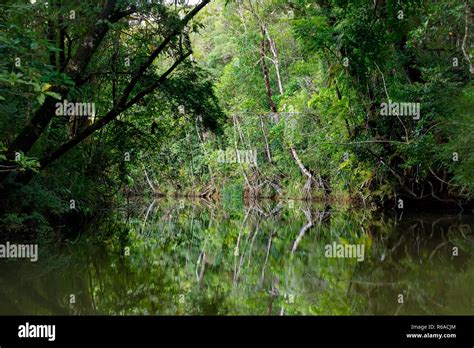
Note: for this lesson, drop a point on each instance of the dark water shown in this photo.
(202, 258)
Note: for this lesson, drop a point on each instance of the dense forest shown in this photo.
(200, 157)
(364, 102)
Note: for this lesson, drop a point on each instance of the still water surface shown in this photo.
(266, 258)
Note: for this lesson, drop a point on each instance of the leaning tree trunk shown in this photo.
(75, 69)
(275, 60)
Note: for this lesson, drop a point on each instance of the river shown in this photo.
(197, 257)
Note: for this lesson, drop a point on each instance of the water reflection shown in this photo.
(200, 257)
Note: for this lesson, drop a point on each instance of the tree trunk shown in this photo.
(111, 115)
(276, 61)
(266, 76)
(75, 69)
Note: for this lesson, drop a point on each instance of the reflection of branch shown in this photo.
(91, 287)
(273, 294)
(272, 233)
(236, 251)
(203, 267)
(401, 304)
(253, 239)
(242, 257)
(146, 215)
(201, 260)
(302, 231)
(437, 248)
(276, 209)
(273, 212)
(398, 244)
(306, 227)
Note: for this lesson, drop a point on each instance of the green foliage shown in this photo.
(204, 260)
(325, 66)
(339, 61)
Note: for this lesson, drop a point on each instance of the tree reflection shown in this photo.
(198, 258)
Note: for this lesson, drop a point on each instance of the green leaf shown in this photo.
(54, 95)
(40, 98)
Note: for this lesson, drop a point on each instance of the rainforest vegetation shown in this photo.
(363, 102)
(199, 156)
